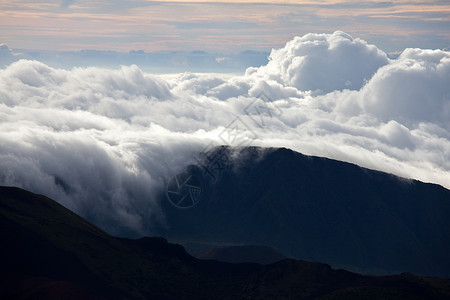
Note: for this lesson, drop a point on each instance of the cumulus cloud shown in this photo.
(324, 62)
(412, 89)
(105, 142)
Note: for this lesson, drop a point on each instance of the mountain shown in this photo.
(316, 209)
(49, 252)
(247, 253)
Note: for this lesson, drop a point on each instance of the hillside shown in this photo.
(49, 251)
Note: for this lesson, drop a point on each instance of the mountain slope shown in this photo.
(50, 252)
(43, 239)
(321, 210)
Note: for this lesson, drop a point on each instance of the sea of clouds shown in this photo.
(104, 142)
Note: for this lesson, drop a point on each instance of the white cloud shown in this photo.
(324, 62)
(222, 59)
(105, 142)
(412, 89)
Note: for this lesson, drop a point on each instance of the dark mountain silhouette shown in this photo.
(247, 253)
(50, 253)
(317, 209)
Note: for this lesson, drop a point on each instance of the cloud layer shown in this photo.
(105, 142)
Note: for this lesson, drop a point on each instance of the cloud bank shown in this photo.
(105, 142)
(159, 62)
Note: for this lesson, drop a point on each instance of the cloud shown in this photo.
(324, 62)
(222, 59)
(412, 89)
(66, 3)
(105, 142)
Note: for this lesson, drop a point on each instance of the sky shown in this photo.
(102, 135)
(217, 26)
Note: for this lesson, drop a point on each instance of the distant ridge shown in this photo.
(50, 253)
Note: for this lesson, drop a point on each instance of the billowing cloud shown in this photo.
(105, 142)
(412, 89)
(324, 62)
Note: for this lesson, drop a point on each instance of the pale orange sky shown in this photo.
(217, 26)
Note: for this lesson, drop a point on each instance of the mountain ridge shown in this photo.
(118, 268)
(318, 209)
(245, 253)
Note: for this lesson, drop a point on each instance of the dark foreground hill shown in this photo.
(317, 209)
(47, 252)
